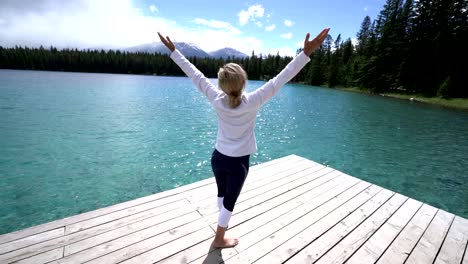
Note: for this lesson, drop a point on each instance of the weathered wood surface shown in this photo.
(291, 210)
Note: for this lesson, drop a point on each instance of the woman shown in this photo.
(236, 111)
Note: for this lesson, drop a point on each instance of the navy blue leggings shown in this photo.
(230, 174)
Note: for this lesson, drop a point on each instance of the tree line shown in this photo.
(411, 47)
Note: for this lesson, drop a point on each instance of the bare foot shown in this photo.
(225, 243)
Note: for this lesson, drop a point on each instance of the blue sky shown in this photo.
(263, 26)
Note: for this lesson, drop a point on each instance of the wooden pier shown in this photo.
(291, 210)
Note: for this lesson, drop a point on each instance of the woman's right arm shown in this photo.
(268, 90)
(201, 82)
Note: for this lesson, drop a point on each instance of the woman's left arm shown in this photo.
(268, 90)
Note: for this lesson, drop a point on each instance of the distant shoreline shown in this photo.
(452, 103)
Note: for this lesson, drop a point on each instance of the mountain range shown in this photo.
(188, 49)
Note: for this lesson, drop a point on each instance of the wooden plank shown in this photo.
(160, 212)
(72, 228)
(209, 191)
(343, 250)
(161, 252)
(278, 174)
(201, 248)
(259, 242)
(171, 239)
(156, 215)
(430, 243)
(45, 257)
(267, 176)
(248, 209)
(123, 231)
(274, 183)
(31, 240)
(68, 239)
(405, 242)
(455, 243)
(320, 202)
(290, 159)
(254, 180)
(316, 178)
(316, 195)
(319, 247)
(5, 238)
(378, 243)
(284, 159)
(297, 178)
(300, 238)
(155, 235)
(153, 230)
(272, 209)
(314, 189)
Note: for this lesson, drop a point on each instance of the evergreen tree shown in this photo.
(363, 37)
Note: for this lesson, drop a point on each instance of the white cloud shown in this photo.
(217, 24)
(270, 28)
(366, 8)
(259, 24)
(111, 24)
(286, 35)
(82, 23)
(153, 9)
(288, 23)
(251, 13)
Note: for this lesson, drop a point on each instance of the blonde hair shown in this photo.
(232, 79)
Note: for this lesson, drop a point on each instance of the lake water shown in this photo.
(74, 142)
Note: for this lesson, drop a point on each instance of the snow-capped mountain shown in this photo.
(188, 49)
(228, 52)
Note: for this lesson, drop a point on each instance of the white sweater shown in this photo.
(236, 135)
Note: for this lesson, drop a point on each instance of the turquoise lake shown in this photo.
(74, 142)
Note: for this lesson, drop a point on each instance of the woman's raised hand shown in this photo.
(311, 46)
(167, 41)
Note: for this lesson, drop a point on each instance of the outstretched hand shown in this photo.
(167, 41)
(311, 46)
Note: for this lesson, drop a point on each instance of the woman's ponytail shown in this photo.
(232, 79)
(234, 100)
